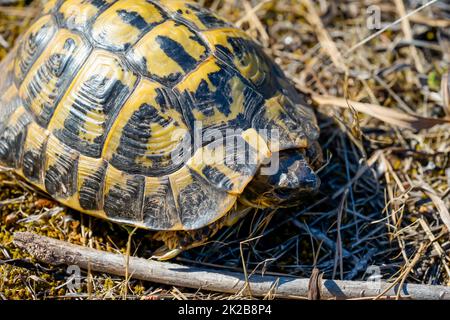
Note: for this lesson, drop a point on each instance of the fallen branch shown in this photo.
(56, 252)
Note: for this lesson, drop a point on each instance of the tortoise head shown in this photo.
(293, 180)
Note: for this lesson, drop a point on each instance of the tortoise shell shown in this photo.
(99, 95)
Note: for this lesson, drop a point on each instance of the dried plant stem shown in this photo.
(439, 203)
(410, 266)
(436, 244)
(381, 31)
(385, 114)
(324, 37)
(409, 35)
(56, 252)
(255, 21)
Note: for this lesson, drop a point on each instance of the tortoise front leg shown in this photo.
(175, 242)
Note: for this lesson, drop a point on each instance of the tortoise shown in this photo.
(100, 99)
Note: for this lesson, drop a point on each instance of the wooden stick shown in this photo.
(56, 252)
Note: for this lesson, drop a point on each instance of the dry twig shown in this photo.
(56, 252)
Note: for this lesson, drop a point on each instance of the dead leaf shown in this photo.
(438, 203)
(391, 116)
(314, 286)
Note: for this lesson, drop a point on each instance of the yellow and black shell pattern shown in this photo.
(98, 94)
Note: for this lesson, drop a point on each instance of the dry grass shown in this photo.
(384, 201)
